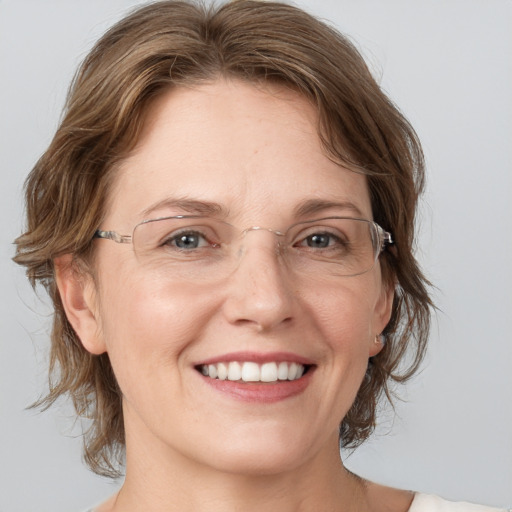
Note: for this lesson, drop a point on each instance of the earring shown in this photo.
(380, 339)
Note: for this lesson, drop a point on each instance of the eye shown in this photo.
(187, 240)
(321, 240)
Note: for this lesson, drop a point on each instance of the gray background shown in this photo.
(448, 65)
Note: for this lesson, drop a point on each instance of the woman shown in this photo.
(224, 221)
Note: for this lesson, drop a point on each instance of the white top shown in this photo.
(430, 503)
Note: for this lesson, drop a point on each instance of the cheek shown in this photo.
(147, 323)
(147, 331)
(344, 314)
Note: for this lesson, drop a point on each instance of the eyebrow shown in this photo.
(312, 206)
(197, 207)
(188, 205)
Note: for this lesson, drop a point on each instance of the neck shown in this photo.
(160, 480)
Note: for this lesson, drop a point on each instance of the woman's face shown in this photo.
(251, 156)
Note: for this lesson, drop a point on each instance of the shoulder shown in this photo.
(431, 503)
(389, 499)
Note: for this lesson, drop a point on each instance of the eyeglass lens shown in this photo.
(205, 249)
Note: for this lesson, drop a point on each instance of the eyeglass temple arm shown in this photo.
(385, 237)
(112, 235)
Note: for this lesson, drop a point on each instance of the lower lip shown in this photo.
(268, 392)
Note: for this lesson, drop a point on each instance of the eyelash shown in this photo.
(172, 239)
(335, 240)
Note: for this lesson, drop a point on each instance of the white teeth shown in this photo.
(292, 371)
(282, 371)
(253, 372)
(269, 372)
(234, 371)
(212, 371)
(250, 372)
(222, 371)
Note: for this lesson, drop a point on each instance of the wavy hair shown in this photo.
(169, 44)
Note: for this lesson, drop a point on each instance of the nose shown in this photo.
(259, 293)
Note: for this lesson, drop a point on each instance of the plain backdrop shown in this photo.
(448, 65)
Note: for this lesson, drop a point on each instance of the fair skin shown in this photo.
(190, 445)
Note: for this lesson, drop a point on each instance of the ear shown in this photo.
(382, 315)
(78, 295)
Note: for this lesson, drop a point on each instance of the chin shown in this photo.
(260, 464)
(260, 453)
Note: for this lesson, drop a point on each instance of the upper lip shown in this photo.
(257, 357)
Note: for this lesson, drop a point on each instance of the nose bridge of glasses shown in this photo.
(276, 232)
(244, 241)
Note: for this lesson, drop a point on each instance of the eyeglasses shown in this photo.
(197, 248)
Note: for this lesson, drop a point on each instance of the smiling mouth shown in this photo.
(253, 372)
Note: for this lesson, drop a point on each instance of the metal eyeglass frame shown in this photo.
(385, 237)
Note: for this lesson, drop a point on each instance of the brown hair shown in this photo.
(172, 43)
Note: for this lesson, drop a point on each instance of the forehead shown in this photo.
(250, 149)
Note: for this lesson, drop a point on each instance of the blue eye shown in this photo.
(319, 240)
(322, 240)
(187, 240)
